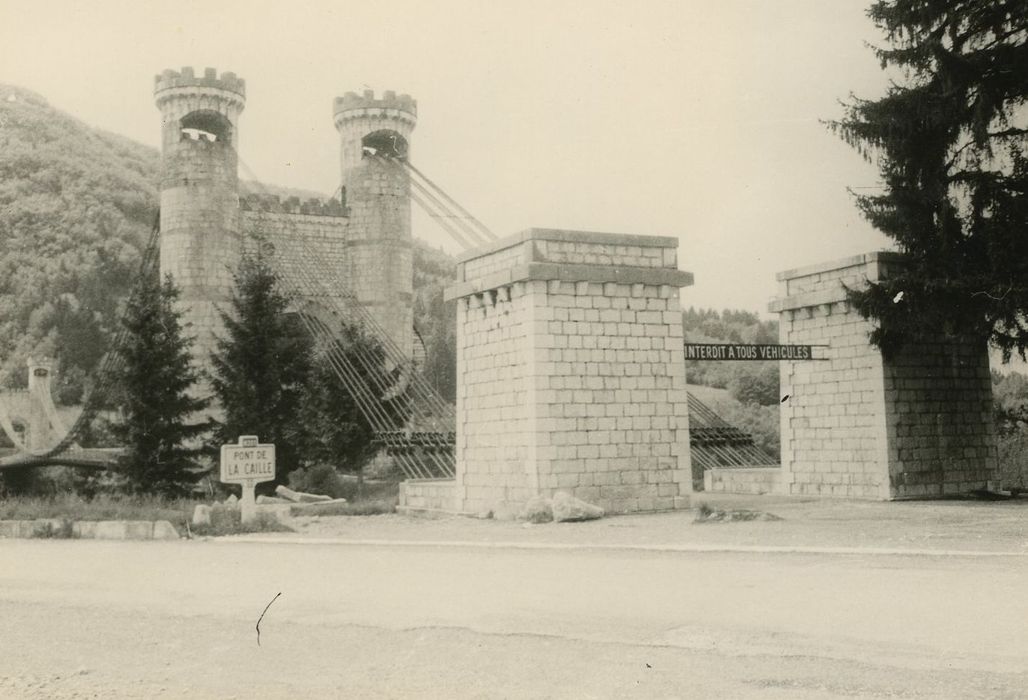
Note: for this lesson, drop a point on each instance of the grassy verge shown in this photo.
(72, 507)
(69, 508)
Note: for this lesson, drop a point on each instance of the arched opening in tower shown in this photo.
(205, 125)
(384, 142)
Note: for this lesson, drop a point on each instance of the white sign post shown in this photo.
(247, 463)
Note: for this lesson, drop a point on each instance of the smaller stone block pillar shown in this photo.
(862, 425)
(571, 372)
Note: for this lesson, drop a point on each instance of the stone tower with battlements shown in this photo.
(374, 133)
(199, 190)
(361, 242)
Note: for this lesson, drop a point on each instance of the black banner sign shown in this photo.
(718, 351)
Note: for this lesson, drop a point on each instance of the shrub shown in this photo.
(321, 479)
(1013, 459)
(759, 386)
(325, 480)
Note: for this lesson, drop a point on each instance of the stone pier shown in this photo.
(861, 425)
(571, 373)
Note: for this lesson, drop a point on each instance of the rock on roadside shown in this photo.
(567, 508)
(538, 510)
(201, 515)
(300, 497)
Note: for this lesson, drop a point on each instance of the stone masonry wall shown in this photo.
(380, 257)
(380, 248)
(851, 416)
(493, 349)
(832, 425)
(571, 374)
(939, 418)
(427, 495)
(199, 196)
(200, 242)
(315, 230)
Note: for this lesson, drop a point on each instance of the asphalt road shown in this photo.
(81, 619)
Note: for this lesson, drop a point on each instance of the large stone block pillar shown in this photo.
(861, 425)
(571, 372)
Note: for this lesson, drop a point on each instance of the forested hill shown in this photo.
(76, 206)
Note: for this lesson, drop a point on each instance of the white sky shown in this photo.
(689, 118)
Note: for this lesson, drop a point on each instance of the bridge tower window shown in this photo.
(205, 125)
(384, 142)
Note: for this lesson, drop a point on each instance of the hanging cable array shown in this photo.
(716, 443)
(409, 418)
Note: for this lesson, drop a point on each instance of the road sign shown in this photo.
(247, 461)
(248, 464)
(731, 351)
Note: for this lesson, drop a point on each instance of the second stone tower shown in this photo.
(375, 140)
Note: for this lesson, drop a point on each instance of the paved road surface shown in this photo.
(123, 620)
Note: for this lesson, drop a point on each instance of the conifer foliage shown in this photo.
(261, 366)
(949, 138)
(341, 435)
(158, 424)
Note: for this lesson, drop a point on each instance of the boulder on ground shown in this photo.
(316, 507)
(567, 508)
(201, 515)
(299, 496)
(268, 500)
(538, 510)
(164, 530)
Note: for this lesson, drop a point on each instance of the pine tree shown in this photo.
(262, 365)
(949, 140)
(342, 435)
(157, 426)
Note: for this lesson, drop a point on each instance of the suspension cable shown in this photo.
(484, 229)
(446, 213)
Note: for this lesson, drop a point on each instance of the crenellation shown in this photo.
(186, 78)
(351, 105)
(204, 221)
(292, 205)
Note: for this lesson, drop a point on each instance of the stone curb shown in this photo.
(659, 548)
(89, 529)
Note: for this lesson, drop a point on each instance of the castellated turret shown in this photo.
(374, 136)
(200, 232)
(361, 242)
